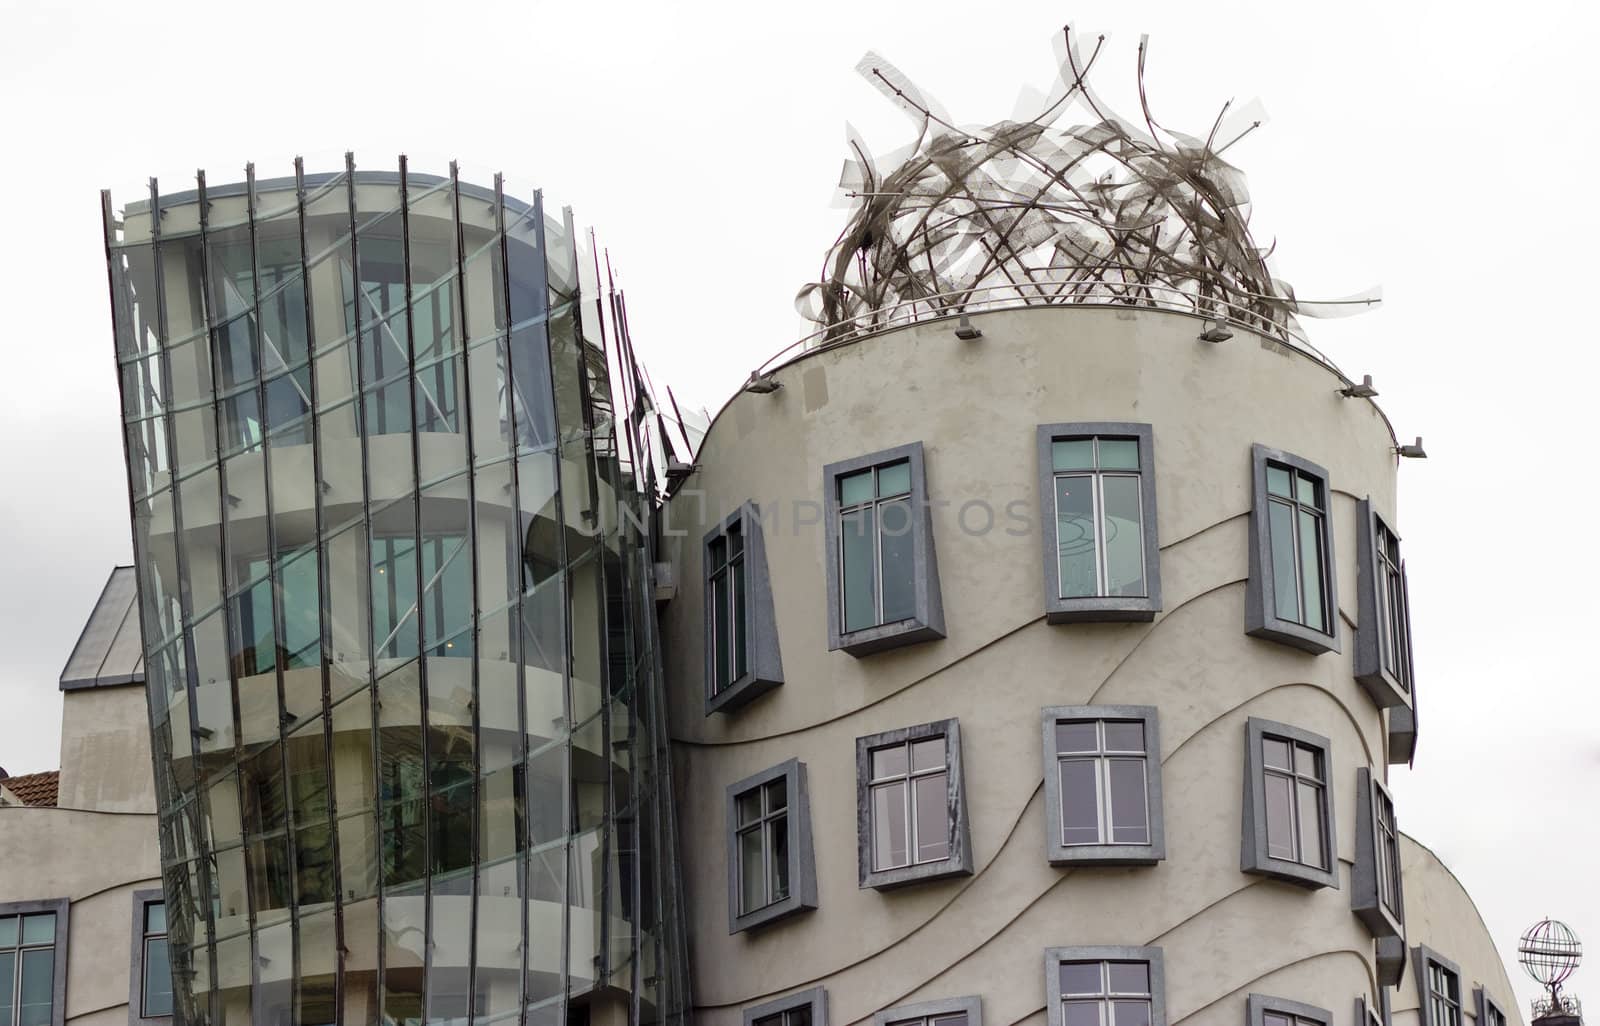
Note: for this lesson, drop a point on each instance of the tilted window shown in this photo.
(1103, 785)
(742, 655)
(804, 1008)
(1489, 1011)
(33, 962)
(1098, 518)
(1438, 987)
(1288, 815)
(771, 872)
(962, 1011)
(883, 583)
(1373, 1013)
(1375, 892)
(1105, 986)
(1291, 596)
(911, 805)
(1383, 638)
(1263, 1010)
(150, 979)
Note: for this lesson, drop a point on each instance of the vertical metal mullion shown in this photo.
(1097, 511)
(910, 810)
(1102, 781)
(324, 614)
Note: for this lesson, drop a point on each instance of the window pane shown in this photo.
(894, 479)
(39, 929)
(718, 553)
(1075, 539)
(1124, 736)
(1275, 753)
(38, 983)
(1280, 817)
(1075, 454)
(1278, 481)
(778, 829)
(1129, 977)
(752, 871)
(1308, 761)
(1311, 852)
(8, 973)
(735, 540)
(929, 754)
(1081, 1013)
(1080, 978)
(889, 762)
(856, 541)
(1119, 454)
(933, 818)
(1130, 1013)
(1285, 590)
(155, 917)
(798, 1016)
(721, 643)
(1274, 1019)
(889, 826)
(157, 978)
(749, 805)
(740, 646)
(899, 561)
(777, 795)
(1080, 814)
(8, 933)
(1124, 536)
(1129, 809)
(855, 488)
(1311, 568)
(1076, 736)
(1306, 490)
(958, 1019)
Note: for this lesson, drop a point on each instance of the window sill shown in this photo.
(739, 694)
(1384, 689)
(776, 912)
(885, 636)
(1305, 876)
(1286, 632)
(1101, 609)
(1106, 854)
(890, 879)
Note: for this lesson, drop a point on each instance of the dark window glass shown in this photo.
(27, 968)
(1297, 526)
(1104, 788)
(157, 983)
(1444, 996)
(1099, 517)
(1296, 802)
(763, 843)
(910, 806)
(1105, 994)
(876, 548)
(725, 568)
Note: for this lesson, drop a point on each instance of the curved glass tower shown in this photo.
(394, 574)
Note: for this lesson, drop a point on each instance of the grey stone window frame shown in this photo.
(1484, 1004)
(763, 658)
(142, 899)
(1388, 686)
(971, 1006)
(927, 624)
(62, 907)
(959, 862)
(1422, 957)
(1061, 854)
(1402, 730)
(1151, 956)
(1102, 608)
(1258, 1006)
(1385, 923)
(814, 1000)
(802, 863)
(1261, 616)
(1253, 857)
(1374, 1014)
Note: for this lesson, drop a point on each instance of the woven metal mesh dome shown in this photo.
(1550, 952)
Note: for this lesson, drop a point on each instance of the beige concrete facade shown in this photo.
(975, 406)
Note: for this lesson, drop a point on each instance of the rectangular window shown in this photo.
(1263, 1010)
(804, 1008)
(1097, 495)
(1376, 895)
(32, 962)
(1288, 819)
(742, 655)
(156, 992)
(1103, 785)
(882, 577)
(1383, 662)
(912, 805)
(1489, 1011)
(1444, 996)
(1105, 986)
(1291, 591)
(965, 1011)
(763, 837)
(725, 564)
(770, 870)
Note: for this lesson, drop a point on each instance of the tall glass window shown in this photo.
(1444, 996)
(156, 993)
(725, 557)
(1105, 993)
(1102, 767)
(1297, 801)
(302, 637)
(909, 800)
(1297, 529)
(27, 969)
(1394, 620)
(1099, 517)
(877, 557)
(763, 842)
(446, 574)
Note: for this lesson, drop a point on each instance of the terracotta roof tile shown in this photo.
(34, 788)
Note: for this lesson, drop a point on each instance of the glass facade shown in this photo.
(394, 556)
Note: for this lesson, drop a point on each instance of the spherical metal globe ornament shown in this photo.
(1549, 951)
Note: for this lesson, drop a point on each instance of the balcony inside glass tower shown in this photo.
(401, 668)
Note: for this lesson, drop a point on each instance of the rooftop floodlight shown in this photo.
(1216, 331)
(1361, 391)
(762, 384)
(965, 331)
(1413, 451)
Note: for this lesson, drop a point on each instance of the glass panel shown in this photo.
(1278, 481)
(1306, 490)
(1080, 811)
(1119, 454)
(928, 754)
(37, 986)
(1308, 761)
(39, 929)
(1311, 568)
(8, 973)
(721, 646)
(1280, 817)
(1129, 807)
(855, 488)
(856, 531)
(1075, 536)
(1129, 977)
(1077, 736)
(1311, 846)
(157, 978)
(1275, 753)
(752, 871)
(933, 818)
(740, 619)
(8, 932)
(889, 839)
(1285, 590)
(899, 561)
(1130, 1013)
(779, 829)
(1124, 528)
(1081, 1013)
(1274, 1019)
(749, 805)
(1074, 454)
(1080, 978)
(895, 479)
(776, 798)
(1123, 736)
(889, 762)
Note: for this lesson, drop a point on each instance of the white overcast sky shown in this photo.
(1443, 150)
